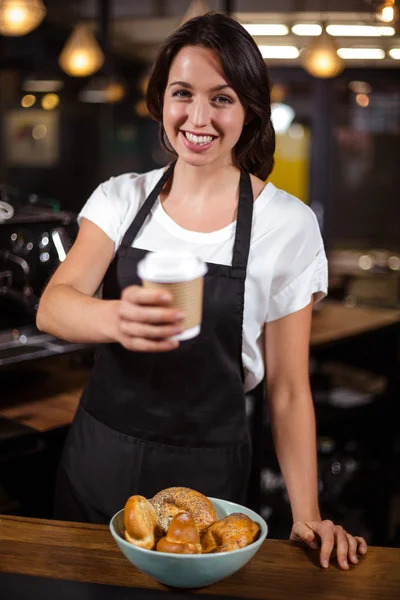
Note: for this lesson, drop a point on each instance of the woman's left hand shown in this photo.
(328, 536)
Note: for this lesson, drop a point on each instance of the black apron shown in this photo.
(148, 421)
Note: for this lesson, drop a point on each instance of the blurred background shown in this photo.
(73, 77)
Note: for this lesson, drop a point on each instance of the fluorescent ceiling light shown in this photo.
(266, 29)
(311, 29)
(360, 53)
(395, 53)
(279, 51)
(359, 31)
(42, 85)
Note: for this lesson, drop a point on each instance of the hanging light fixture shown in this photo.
(197, 8)
(387, 12)
(19, 17)
(81, 55)
(320, 57)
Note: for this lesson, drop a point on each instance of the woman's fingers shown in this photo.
(352, 548)
(135, 294)
(330, 536)
(147, 321)
(143, 345)
(342, 547)
(326, 533)
(302, 533)
(142, 330)
(361, 543)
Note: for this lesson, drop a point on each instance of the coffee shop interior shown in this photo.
(73, 79)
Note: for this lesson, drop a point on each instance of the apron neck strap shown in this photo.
(144, 210)
(243, 225)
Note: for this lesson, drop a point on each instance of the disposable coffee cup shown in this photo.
(181, 274)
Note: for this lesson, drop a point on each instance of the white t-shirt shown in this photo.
(287, 262)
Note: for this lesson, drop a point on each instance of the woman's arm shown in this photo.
(141, 320)
(67, 308)
(291, 409)
(293, 428)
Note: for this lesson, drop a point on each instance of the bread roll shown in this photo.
(182, 536)
(170, 501)
(231, 533)
(141, 523)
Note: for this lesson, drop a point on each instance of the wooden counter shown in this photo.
(333, 322)
(279, 571)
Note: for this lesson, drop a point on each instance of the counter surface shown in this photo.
(279, 571)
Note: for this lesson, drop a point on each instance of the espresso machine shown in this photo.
(35, 237)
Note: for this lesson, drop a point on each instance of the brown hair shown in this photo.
(245, 71)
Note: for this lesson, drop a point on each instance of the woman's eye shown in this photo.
(223, 100)
(181, 94)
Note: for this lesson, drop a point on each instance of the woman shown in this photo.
(156, 414)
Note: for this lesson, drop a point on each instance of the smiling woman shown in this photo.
(228, 90)
(156, 413)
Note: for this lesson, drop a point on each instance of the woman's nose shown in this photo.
(200, 113)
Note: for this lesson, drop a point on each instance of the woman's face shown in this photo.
(202, 115)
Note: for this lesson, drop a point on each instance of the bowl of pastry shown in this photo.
(183, 539)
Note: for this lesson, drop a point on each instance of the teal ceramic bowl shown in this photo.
(190, 570)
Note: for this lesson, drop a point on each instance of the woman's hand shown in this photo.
(146, 321)
(328, 536)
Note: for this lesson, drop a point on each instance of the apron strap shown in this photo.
(244, 223)
(143, 212)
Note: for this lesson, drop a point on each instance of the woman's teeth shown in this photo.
(201, 140)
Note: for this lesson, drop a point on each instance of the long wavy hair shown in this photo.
(245, 71)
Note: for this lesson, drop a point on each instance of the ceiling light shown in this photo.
(362, 100)
(359, 31)
(28, 101)
(50, 101)
(30, 84)
(311, 29)
(387, 12)
(395, 53)
(19, 17)
(361, 53)
(279, 51)
(81, 55)
(360, 87)
(320, 57)
(266, 29)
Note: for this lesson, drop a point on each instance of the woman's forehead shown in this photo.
(197, 63)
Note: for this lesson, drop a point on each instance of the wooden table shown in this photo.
(334, 321)
(279, 571)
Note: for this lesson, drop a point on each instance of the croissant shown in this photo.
(141, 523)
(235, 531)
(170, 501)
(182, 536)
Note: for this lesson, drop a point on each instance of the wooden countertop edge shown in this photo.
(88, 553)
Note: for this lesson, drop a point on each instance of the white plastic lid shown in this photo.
(171, 267)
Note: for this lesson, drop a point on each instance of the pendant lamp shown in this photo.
(19, 17)
(387, 12)
(320, 57)
(81, 55)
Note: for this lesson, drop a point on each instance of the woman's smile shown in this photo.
(196, 142)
